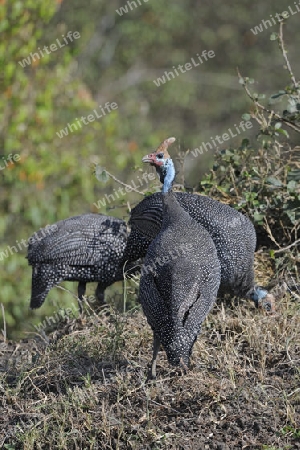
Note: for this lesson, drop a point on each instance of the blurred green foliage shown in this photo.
(266, 186)
(53, 178)
(122, 55)
(265, 183)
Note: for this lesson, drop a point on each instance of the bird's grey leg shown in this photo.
(156, 345)
(81, 292)
(184, 367)
(100, 294)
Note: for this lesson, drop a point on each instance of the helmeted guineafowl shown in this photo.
(233, 235)
(180, 276)
(83, 248)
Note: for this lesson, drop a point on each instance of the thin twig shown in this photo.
(284, 54)
(269, 111)
(4, 322)
(286, 248)
(280, 250)
(268, 229)
(124, 184)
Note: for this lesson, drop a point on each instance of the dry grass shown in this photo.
(86, 388)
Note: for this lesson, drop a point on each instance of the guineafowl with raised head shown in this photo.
(84, 248)
(180, 276)
(233, 235)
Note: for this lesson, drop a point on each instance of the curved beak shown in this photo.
(148, 158)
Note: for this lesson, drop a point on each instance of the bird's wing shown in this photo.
(194, 309)
(147, 217)
(84, 241)
(153, 304)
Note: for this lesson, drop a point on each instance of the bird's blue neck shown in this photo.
(168, 175)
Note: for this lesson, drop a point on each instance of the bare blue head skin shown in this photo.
(258, 295)
(163, 163)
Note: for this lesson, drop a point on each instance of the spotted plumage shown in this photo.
(233, 235)
(179, 289)
(83, 248)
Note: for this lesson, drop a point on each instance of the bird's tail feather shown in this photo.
(43, 279)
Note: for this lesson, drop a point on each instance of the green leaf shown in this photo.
(274, 181)
(277, 97)
(246, 117)
(291, 215)
(245, 142)
(294, 175)
(282, 131)
(101, 174)
(291, 185)
(274, 37)
(293, 105)
(258, 217)
(279, 94)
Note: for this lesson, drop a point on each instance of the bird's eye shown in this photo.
(160, 155)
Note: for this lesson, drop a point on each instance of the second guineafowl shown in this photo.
(83, 248)
(233, 235)
(181, 274)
